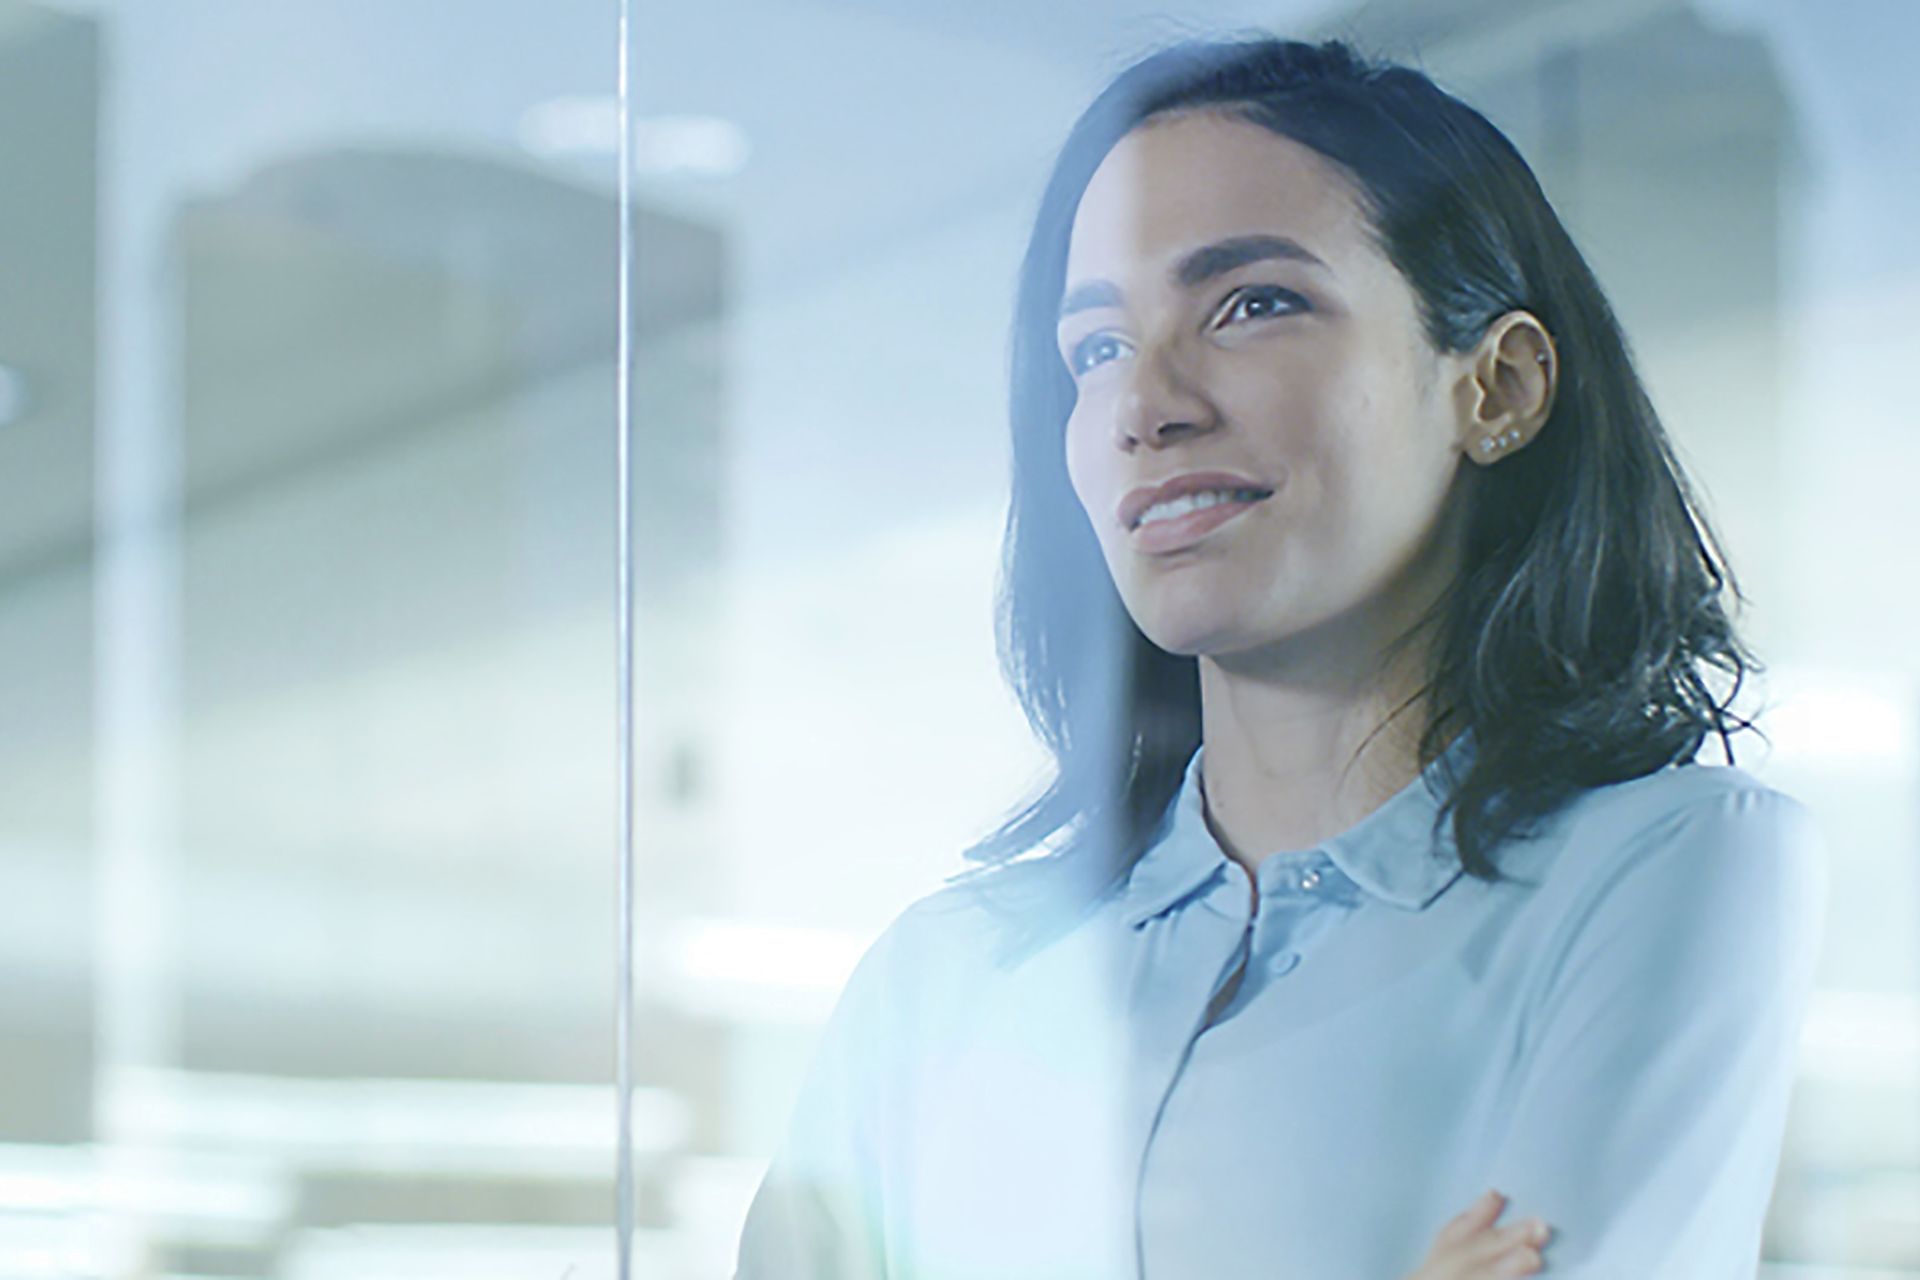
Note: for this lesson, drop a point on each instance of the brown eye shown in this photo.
(1261, 302)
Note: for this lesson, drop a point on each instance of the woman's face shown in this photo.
(1233, 332)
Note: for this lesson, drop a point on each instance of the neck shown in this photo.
(1304, 740)
(1286, 767)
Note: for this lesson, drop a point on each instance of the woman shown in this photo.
(1355, 587)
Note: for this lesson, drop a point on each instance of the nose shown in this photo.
(1160, 404)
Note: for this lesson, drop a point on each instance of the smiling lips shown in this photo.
(1178, 513)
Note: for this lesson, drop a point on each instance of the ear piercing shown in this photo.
(1490, 445)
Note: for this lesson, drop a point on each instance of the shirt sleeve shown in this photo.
(817, 1213)
(1656, 1065)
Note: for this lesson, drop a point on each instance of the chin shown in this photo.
(1189, 637)
(1193, 617)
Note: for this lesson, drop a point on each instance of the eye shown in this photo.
(1093, 351)
(1261, 302)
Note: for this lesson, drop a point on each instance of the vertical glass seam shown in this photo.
(623, 625)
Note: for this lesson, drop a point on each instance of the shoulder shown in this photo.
(954, 915)
(937, 944)
(982, 937)
(1689, 856)
(1685, 821)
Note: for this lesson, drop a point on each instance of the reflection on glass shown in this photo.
(307, 377)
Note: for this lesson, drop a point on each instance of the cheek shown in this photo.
(1081, 470)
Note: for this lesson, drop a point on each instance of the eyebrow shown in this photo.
(1197, 267)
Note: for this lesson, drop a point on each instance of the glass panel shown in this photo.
(307, 611)
(308, 771)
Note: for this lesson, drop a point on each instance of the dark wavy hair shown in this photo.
(1576, 643)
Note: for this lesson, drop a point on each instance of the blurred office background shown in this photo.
(307, 717)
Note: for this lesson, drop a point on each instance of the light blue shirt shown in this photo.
(1611, 1044)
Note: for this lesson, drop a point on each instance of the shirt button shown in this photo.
(1310, 879)
(1284, 963)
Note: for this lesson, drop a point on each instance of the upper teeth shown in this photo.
(1186, 502)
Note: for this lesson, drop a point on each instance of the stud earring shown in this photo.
(1490, 445)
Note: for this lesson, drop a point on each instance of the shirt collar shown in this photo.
(1391, 854)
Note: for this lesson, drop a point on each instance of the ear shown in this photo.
(1504, 395)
